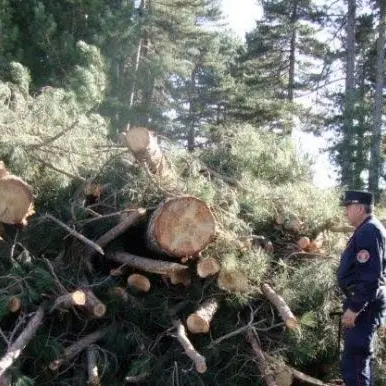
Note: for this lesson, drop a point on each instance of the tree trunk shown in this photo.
(78, 347)
(16, 348)
(292, 56)
(143, 144)
(281, 306)
(147, 265)
(348, 113)
(198, 360)
(199, 321)
(375, 159)
(181, 227)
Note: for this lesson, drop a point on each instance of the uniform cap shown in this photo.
(357, 197)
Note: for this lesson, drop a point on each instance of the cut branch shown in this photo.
(93, 305)
(16, 348)
(73, 350)
(198, 360)
(14, 303)
(281, 306)
(138, 283)
(92, 367)
(199, 321)
(76, 298)
(260, 358)
(145, 264)
(207, 267)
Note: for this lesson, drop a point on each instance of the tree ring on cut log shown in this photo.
(16, 200)
(138, 139)
(181, 226)
(197, 325)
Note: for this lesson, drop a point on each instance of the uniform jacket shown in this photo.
(362, 268)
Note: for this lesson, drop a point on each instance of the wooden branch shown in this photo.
(73, 350)
(128, 219)
(207, 267)
(198, 360)
(76, 298)
(305, 378)
(199, 321)
(92, 367)
(93, 305)
(75, 233)
(145, 264)
(136, 378)
(16, 348)
(260, 358)
(281, 306)
(138, 283)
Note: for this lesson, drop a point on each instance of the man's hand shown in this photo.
(348, 318)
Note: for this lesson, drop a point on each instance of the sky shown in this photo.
(241, 16)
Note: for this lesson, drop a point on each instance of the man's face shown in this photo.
(354, 213)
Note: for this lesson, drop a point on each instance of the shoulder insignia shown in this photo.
(363, 256)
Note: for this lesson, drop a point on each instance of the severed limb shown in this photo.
(199, 321)
(16, 348)
(259, 356)
(198, 360)
(77, 347)
(76, 298)
(93, 305)
(281, 306)
(92, 367)
(146, 264)
(207, 267)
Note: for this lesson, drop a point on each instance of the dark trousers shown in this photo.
(359, 344)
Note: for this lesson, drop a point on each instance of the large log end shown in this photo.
(16, 200)
(182, 226)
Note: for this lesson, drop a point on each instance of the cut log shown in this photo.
(303, 243)
(16, 348)
(92, 367)
(138, 283)
(181, 277)
(182, 226)
(93, 305)
(143, 144)
(16, 200)
(232, 281)
(14, 303)
(198, 360)
(76, 298)
(147, 265)
(199, 321)
(73, 350)
(259, 356)
(207, 267)
(283, 376)
(281, 306)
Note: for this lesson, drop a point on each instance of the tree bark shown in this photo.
(281, 306)
(292, 56)
(348, 113)
(92, 367)
(199, 321)
(181, 227)
(93, 305)
(147, 265)
(198, 360)
(16, 348)
(77, 347)
(375, 159)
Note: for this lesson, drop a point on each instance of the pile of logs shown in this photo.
(177, 231)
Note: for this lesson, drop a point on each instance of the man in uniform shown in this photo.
(362, 277)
